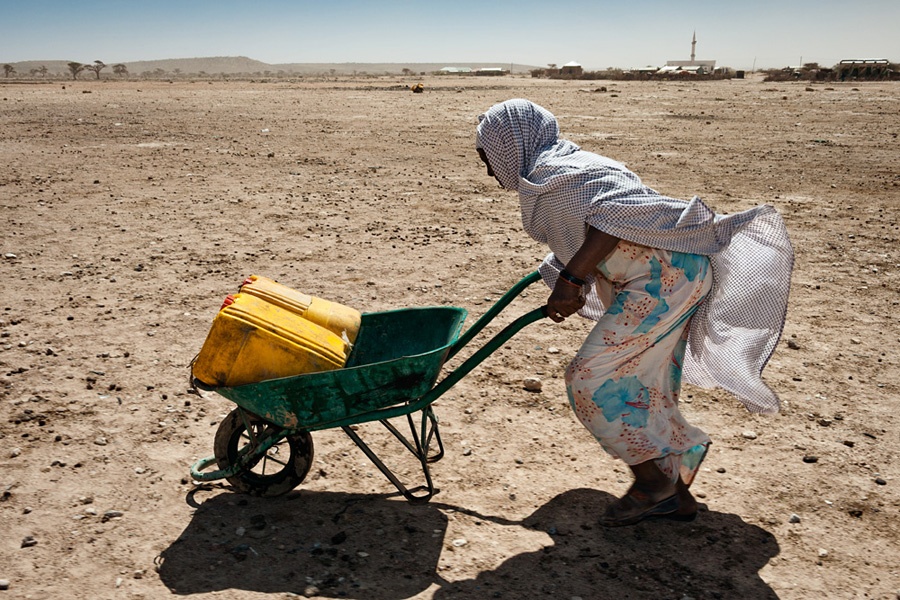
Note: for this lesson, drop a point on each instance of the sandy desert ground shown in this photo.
(130, 209)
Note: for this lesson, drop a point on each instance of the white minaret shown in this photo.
(693, 47)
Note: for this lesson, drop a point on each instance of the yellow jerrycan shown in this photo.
(253, 340)
(341, 320)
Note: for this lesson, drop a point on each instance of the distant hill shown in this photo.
(241, 65)
(392, 68)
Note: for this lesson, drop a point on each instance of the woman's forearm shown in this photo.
(596, 247)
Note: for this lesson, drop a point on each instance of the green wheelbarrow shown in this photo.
(264, 447)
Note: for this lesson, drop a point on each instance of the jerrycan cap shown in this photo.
(249, 280)
(229, 300)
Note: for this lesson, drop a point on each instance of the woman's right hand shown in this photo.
(565, 300)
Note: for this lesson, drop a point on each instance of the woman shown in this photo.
(675, 289)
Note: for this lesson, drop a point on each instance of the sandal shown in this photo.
(675, 516)
(635, 506)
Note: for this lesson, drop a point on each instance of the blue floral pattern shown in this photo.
(625, 380)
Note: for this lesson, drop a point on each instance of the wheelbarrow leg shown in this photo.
(423, 443)
(419, 450)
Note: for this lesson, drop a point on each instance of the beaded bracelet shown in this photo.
(568, 277)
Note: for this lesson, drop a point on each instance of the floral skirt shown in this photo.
(625, 380)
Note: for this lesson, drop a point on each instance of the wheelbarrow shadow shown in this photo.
(717, 556)
(344, 545)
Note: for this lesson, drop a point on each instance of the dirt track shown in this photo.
(131, 209)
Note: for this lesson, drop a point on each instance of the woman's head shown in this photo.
(511, 135)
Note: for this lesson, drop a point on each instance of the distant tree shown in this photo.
(407, 71)
(177, 72)
(75, 68)
(96, 67)
(551, 65)
(8, 69)
(120, 70)
(42, 70)
(811, 66)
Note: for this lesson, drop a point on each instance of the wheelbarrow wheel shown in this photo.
(282, 468)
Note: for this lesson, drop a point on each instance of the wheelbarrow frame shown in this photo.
(426, 392)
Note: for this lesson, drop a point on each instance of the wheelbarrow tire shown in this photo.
(284, 467)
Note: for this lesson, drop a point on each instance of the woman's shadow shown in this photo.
(716, 556)
(381, 548)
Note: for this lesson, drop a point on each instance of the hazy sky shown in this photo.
(595, 33)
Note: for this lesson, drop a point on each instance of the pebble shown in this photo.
(533, 384)
(29, 541)
(4, 584)
(112, 514)
(552, 350)
(880, 481)
(101, 441)
(750, 435)
(9, 255)
(15, 452)
(240, 531)
(810, 459)
(311, 591)
(460, 542)
(793, 345)
(823, 553)
(795, 518)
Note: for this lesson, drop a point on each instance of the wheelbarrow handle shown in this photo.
(487, 317)
(482, 353)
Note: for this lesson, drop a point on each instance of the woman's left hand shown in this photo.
(565, 300)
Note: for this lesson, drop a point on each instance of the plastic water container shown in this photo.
(253, 340)
(341, 320)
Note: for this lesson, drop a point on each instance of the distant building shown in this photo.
(693, 66)
(455, 70)
(571, 69)
(491, 71)
(864, 68)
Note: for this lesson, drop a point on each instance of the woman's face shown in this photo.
(483, 157)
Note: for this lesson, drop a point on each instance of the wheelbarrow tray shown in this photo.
(397, 358)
